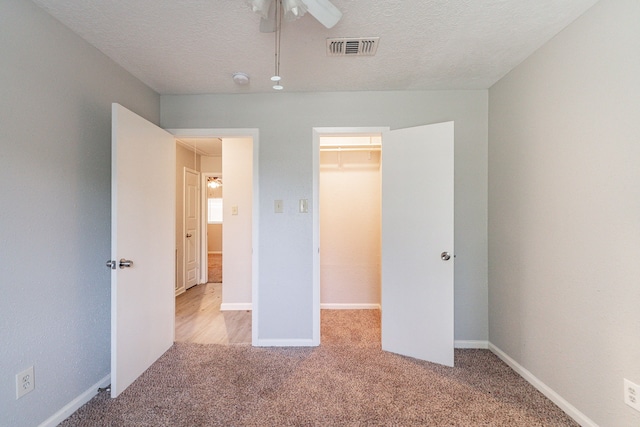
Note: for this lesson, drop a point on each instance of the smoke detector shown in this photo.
(241, 79)
(354, 46)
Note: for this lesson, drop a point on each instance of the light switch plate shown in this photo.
(234, 210)
(278, 206)
(304, 206)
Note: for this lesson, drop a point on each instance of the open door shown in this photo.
(142, 245)
(191, 227)
(417, 242)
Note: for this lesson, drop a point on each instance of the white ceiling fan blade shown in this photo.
(261, 7)
(268, 23)
(293, 9)
(324, 11)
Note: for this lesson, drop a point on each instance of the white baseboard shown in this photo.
(568, 408)
(75, 404)
(235, 306)
(285, 343)
(330, 306)
(471, 344)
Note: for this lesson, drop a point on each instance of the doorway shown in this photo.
(350, 203)
(350, 237)
(236, 233)
(346, 219)
(416, 239)
(212, 210)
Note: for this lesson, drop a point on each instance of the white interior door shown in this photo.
(191, 227)
(143, 232)
(417, 228)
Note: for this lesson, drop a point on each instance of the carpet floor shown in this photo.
(215, 268)
(347, 381)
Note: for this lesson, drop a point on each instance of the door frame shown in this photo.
(318, 132)
(254, 134)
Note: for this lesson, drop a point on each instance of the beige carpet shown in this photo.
(215, 268)
(347, 381)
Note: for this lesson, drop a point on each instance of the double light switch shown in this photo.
(303, 206)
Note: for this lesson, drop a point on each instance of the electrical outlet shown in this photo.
(25, 382)
(632, 394)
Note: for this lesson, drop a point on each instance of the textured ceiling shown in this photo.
(194, 46)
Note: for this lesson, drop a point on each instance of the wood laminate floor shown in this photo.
(199, 319)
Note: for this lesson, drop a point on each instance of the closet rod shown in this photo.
(341, 149)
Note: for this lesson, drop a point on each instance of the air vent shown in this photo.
(361, 46)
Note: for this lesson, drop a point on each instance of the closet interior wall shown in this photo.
(350, 243)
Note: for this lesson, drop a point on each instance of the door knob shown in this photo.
(111, 263)
(125, 263)
(445, 256)
(188, 234)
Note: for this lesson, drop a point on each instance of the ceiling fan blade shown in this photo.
(268, 23)
(293, 9)
(324, 11)
(261, 7)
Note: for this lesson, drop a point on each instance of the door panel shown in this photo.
(143, 231)
(417, 226)
(191, 227)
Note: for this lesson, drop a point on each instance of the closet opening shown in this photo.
(349, 199)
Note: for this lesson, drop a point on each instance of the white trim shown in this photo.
(568, 408)
(285, 343)
(471, 344)
(235, 306)
(253, 133)
(316, 132)
(75, 404)
(315, 239)
(330, 306)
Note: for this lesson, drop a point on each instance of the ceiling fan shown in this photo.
(323, 10)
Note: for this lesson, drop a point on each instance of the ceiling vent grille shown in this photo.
(361, 46)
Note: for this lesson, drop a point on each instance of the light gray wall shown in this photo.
(55, 159)
(564, 212)
(237, 233)
(285, 121)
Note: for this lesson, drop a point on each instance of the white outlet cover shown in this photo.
(632, 394)
(25, 382)
(304, 206)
